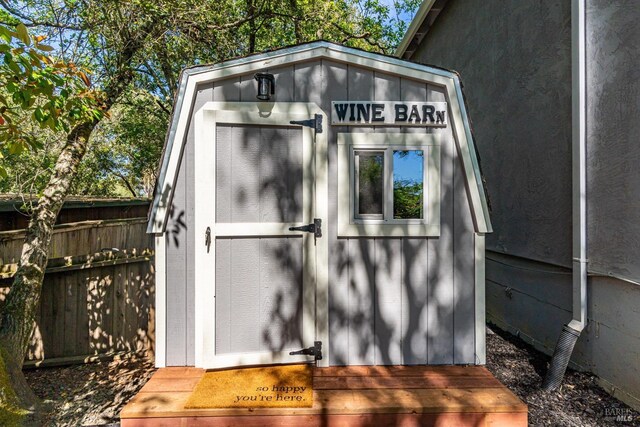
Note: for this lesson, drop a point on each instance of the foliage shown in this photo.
(44, 92)
(407, 199)
(125, 149)
(177, 34)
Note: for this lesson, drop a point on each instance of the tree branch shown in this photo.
(30, 22)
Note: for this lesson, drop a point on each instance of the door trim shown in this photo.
(205, 121)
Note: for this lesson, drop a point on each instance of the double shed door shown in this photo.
(261, 288)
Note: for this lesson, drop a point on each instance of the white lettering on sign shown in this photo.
(386, 113)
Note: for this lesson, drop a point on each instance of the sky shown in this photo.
(408, 167)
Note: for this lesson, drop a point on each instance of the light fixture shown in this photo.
(266, 86)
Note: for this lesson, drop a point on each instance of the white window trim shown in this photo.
(348, 225)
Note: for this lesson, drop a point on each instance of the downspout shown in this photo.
(571, 332)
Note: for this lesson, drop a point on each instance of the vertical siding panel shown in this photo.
(361, 301)
(334, 84)
(308, 84)
(280, 322)
(285, 89)
(386, 88)
(415, 307)
(281, 171)
(440, 287)
(203, 95)
(412, 90)
(389, 292)
(339, 285)
(414, 311)
(388, 297)
(247, 88)
(176, 241)
(227, 90)
(361, 251)
(245, 295)
(223, 295)
(245, 174)
(463, 272)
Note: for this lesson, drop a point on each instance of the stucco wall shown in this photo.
(613, 133)
(515, 60)
(533, 300)
(507, 55)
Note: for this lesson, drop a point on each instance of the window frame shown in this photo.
(349, 223)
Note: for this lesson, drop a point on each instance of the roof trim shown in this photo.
(427, 13)
(191, 77)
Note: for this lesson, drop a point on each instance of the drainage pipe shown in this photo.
(571, 332)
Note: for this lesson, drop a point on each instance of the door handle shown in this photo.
(207, 238)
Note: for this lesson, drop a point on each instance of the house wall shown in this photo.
(515, 61)
(506, 55)
(391, 300)
(613, 132)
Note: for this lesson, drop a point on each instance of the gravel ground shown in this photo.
(94, 394)
(579, 402)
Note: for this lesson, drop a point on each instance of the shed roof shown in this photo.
(191, 77)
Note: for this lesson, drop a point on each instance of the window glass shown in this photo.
(408, 185)
(370, 183)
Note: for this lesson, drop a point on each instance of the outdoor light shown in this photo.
(266, 86)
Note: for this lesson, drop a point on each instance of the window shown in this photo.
(388, 184)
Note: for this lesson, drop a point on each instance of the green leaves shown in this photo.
(36, 89)
(23, 34)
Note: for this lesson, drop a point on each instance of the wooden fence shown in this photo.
(98, 290)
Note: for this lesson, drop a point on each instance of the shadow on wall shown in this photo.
(392, 301)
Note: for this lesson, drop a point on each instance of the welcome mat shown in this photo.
(287, 386)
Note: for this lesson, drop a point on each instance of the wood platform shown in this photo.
(345, 396)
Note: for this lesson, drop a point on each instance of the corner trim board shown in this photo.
(161, 302)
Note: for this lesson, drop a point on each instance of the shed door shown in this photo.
(263, 275)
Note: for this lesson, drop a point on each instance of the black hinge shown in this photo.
(315, 351)
(315, 123)
(315, 228)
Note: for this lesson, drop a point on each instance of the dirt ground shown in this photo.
(94, 394)
(91, 394)
(579, 402)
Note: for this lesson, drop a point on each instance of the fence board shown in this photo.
(92, 302)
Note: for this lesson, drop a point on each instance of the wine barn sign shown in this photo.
(389, 113)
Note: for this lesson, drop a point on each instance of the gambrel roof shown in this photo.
(192, 77)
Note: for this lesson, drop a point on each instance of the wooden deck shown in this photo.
(345, 396)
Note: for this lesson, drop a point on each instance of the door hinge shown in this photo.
(315, 351)
(315, 228)
(315, 123)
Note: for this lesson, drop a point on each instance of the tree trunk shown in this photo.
(19, 310)
(17, 319)
(251, 11)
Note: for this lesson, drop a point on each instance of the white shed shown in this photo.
(345, 207)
